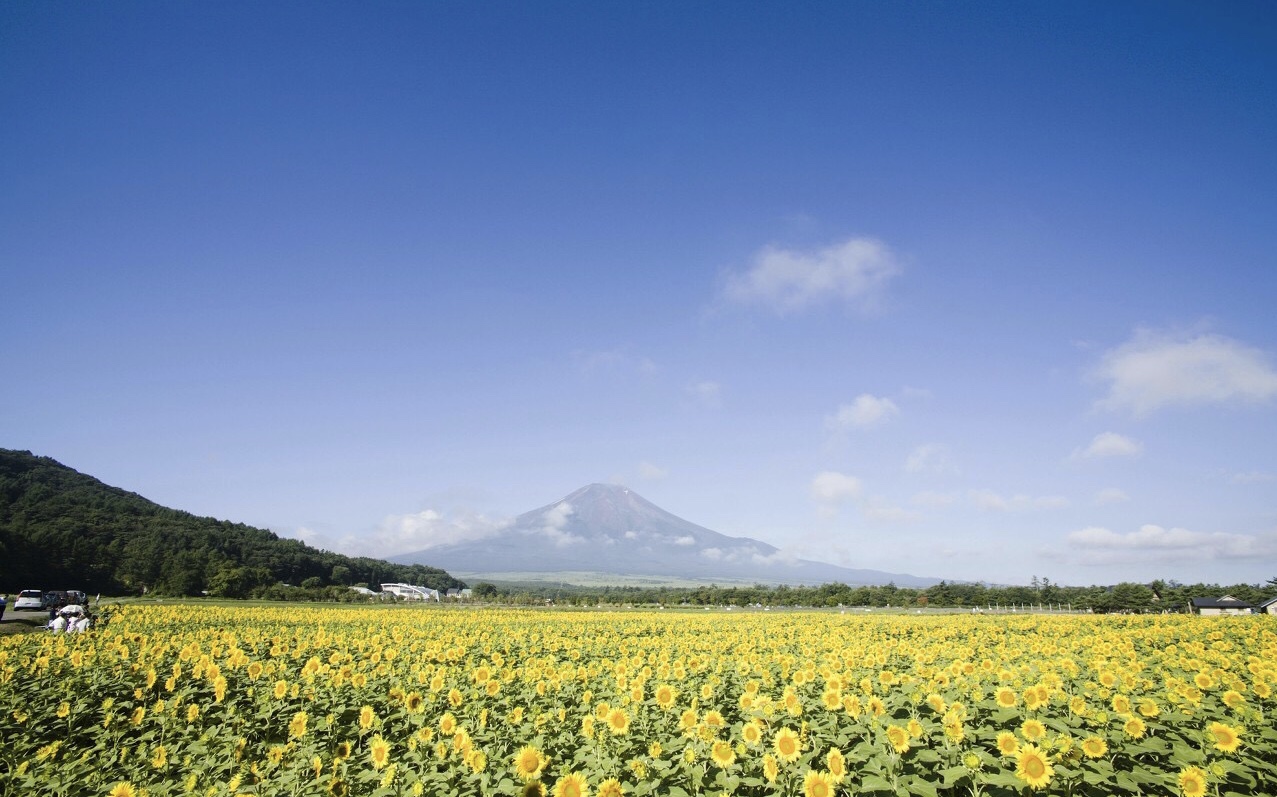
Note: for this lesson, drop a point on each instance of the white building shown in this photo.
(411, 592)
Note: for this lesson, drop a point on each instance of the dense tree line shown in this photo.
(1158, 596)
(62, 529)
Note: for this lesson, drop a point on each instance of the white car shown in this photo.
(29, 599)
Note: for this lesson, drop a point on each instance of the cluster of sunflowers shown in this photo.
(432, 701)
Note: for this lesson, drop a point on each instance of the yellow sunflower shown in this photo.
(1032, 767)
(1007, 743)
(1192, 782)
(752, 733)
(379, 752)
(787, 745)
(1094, 747)
(837, 765)
(529, 762)
(818, 784)
(1135, 728)
(611, 788)
(1033, 730)
(366, 717)
(898, 738)
(1227, 739)
(618, 722)
(722, 754)
(665, 697)
(532, 788)
(770, 769)
(1006, 697)
(572, 785)
(297, 727)
(123, 789)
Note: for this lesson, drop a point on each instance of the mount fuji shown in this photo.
(609, 530)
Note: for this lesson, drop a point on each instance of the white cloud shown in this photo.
(990, 501)
(876, 510)
(930, 458)
(1097, 545)
(649, 472)
(1109, 444)
(707, 393)
(855, 272)
(831, 487)
(685, 540)
(713, 554)
(864, 412)
(1111, 495)
(1155, 370)
(554, 521)
(934, 499)
(1253, 477)
(420, 531)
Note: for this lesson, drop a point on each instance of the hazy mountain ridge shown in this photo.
(605, 528)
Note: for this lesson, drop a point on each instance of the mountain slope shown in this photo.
(63, 529)
(610, 529)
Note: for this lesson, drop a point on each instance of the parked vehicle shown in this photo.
(29, 599)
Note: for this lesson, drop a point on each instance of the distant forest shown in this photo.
(61, 529)
(1157, 596)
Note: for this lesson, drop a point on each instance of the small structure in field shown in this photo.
(1217, 606)
(411, 592)
(1268, 607)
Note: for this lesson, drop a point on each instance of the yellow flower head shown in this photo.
(1135, 728)
(1227, 739)
(837, 765)
(529, 762)
(611, 788)
(1094, 747)
(1007, 743)
(1033, 730)
(572, 785)
(618, 722)
(297, 728)
(379, 752)
(722, 754)
(123, 789)
(1192, 782)
(1006, 697)
(1032, 767)
(898, 738)
(818, 784)
(787, 745)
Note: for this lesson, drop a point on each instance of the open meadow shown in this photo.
(175, 700)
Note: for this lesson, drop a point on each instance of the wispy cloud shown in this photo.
(990, 501)
(933, 499)
(555, 521)
(832, 487)
(1097, 545)
(409, 533)
(707, 393)
(864, 412)
(930, 458)
(651, 473)
(1111, 495)
(1109, 444)
(1156, 369)
(854, 272)
(1253, 477)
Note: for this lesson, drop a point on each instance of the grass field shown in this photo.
(268, 699)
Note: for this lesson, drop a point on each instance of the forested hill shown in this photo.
(61, 529)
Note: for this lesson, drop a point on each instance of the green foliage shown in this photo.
(63, 529)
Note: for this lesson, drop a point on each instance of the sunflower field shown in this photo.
(453, 701)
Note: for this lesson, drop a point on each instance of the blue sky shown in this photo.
(973, 291)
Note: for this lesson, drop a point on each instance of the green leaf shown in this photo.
(875, 783)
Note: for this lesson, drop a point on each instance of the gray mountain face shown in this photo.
(604, 528)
